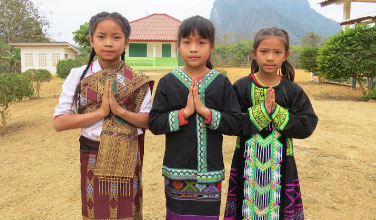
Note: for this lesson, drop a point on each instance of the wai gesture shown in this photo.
(194, 103)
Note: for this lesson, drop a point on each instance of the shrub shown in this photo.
(63, 67)
(13, 88)
(37, 77)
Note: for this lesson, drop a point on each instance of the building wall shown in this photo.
(154, 49)
(52, 54)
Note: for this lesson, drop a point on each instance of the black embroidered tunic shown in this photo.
(264, 180)
(194, 151)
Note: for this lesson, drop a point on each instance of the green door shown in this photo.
(166, 50)
(138, 50)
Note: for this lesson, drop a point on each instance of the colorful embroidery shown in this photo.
(90, 185)
(202, 174)
(237, 145)
(183, 77)
(293, 211)
(120, 78)
(258, 95)
(190, 174)
(119, 134)
(83, 101)
(290, 149)
(262, 175)
(280, 117)
(230, 209)
(259, 116)
(216, 119)
(173, 120)
(191, 190)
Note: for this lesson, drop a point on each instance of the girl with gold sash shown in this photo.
(110, 103)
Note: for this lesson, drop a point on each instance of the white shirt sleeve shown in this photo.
(145, 107)
(146, 104)
(66, 97)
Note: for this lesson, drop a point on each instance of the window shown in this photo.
(55, 58)
(42, 59)
(166, 50)
(138, 50)
(28, 59)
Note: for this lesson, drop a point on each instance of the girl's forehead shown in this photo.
(272, 41)
(108, 24)
(193, 34)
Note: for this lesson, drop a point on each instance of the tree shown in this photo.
(350, 53)
(308, 58)
(81, 37)
(9, 59)
(21, 22)
(311, 40)
(37, 77)
(63, 67)
(13, 88)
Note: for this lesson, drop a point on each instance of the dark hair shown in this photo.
(94, 21)
(202, 27)
(286, 68)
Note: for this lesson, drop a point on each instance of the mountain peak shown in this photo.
(243, 18)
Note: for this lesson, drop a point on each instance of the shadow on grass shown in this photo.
(16, 127)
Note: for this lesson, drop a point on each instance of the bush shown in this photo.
(13, 88)
(349, 53)
(63, 67)
(308, 58)
(37, 77)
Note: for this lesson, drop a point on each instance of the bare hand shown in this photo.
(200, 108)
(270, 100)
(105, 106)
(190, 107)
(114, 105)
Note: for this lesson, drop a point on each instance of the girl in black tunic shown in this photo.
(193, 107)
(264, 180)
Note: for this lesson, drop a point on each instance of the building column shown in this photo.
(154, 53)
(346, 11)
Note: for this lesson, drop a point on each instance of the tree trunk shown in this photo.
(37, 88)
(3, 117)
(360, 84)
(369, 81)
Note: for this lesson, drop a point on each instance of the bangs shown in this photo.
(197, 25)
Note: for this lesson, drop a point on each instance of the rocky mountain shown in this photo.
(241, 19)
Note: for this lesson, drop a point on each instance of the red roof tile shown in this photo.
(155, 27)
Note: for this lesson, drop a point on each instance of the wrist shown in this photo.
(187, 113)
(205, 112)
(102, 114)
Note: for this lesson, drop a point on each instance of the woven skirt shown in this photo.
(189, 200)
(101, 200)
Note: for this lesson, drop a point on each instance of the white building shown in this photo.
(44, 55)
(153, 42)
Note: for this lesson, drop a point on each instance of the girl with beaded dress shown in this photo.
(264, 182)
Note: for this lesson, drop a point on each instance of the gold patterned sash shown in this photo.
(118, 148)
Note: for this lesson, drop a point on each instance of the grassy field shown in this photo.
(40, 176)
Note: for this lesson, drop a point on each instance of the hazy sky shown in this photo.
(66, 16)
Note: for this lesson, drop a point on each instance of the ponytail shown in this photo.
(123, 56)
(209, 63)
(288, 71)
(254, 66)
(77, 91)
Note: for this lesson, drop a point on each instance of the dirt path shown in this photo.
(40, 177)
